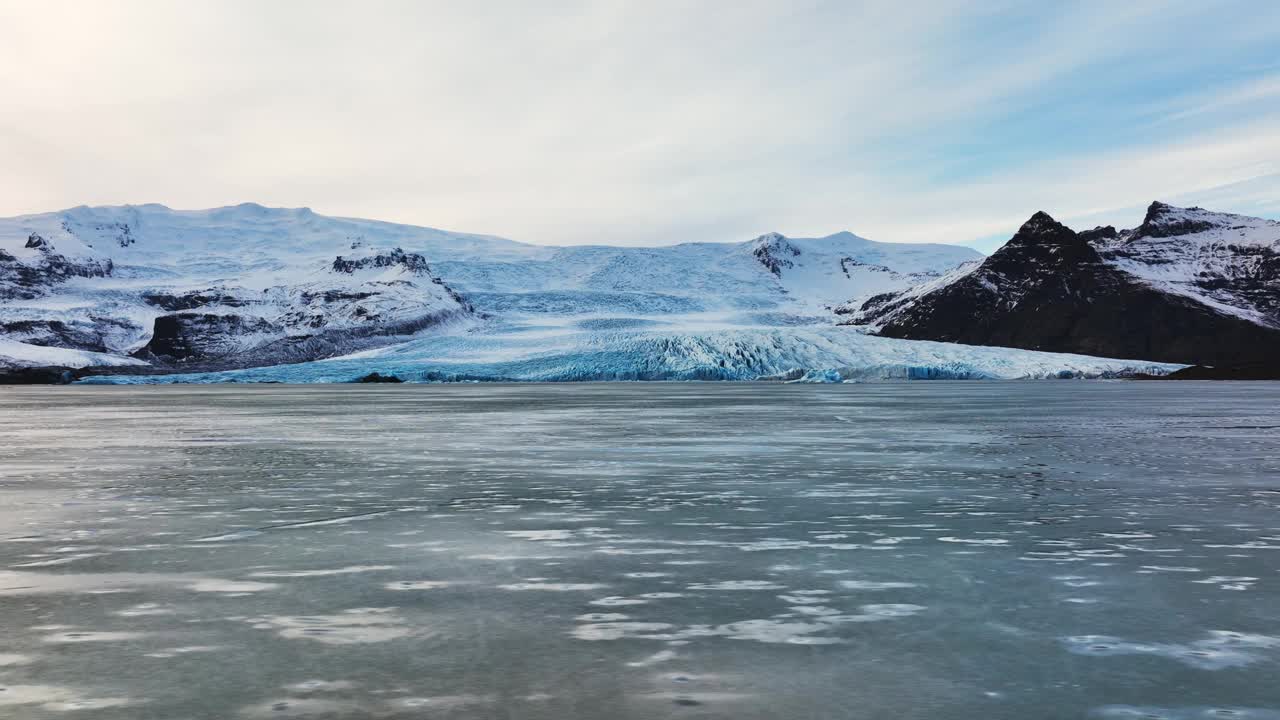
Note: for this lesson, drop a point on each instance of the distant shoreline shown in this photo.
(57, 375)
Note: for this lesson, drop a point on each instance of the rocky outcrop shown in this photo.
(174, 302)
(1163, 221)
(774, 252)
(1099, 234)
(411, 262)
(203, 337)
(210, 341)
(42, 375)
(847, 265)
(376, 377)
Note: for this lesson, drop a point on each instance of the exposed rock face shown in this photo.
(848, 264)
(32, 276)
(173, 302)
(205, 341)
(1050, 288)
(43, 375)
(94, 335)
(1099, 234)
(412, 262)
(1164, 221)
(185, 337)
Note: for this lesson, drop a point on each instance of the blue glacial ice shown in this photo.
(665, 347)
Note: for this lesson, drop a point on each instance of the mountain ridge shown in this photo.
(250, 285)
(303, 296)
(1187, 285)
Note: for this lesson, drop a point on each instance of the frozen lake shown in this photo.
(1057, 549)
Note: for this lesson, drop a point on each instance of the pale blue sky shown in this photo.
(648, 122)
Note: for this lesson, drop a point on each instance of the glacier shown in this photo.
(693, 347)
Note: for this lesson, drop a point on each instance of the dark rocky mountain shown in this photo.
(1188, 285)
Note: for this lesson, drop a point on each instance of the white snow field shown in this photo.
(19, 354)
(1214, 258)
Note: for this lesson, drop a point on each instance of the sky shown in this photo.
(647, 122)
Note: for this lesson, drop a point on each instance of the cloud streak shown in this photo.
(644, 123)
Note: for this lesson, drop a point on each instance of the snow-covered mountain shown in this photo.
(300, 296)
(799, 276)
(229, 287)
(1188, 285)
(1228, 262)
(249, 285)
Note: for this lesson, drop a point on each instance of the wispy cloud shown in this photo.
(654, 122)
(1263, 89)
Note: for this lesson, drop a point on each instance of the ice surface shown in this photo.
(973, 551)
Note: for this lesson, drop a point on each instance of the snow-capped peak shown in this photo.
(1038, 225)
(1163, 220)
(774, 252)
(1228, 262)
